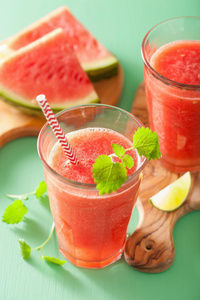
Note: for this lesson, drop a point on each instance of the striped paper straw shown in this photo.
(51, 119)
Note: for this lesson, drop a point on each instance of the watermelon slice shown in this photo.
(47, 66)
(94, 58)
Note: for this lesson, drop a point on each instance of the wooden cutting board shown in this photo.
(15, 124)
(151, 247)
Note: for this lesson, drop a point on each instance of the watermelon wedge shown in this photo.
(46, 66)
(94, 58)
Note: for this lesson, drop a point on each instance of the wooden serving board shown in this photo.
(14, 123)
(151, 248)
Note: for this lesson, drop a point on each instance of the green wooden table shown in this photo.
(120, 26)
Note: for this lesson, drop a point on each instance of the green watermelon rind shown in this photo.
(34, 109)
(101, 69)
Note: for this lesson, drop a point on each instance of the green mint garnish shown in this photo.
(128, 161)
(118, 150)
(54, 260)
(110, 175)
(146, 143)
(15, 212)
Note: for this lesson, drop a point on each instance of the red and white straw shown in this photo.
(51, 119)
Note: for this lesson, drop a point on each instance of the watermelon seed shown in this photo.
(49, 76)
(42, 64)
(36, 76)
(30, 65)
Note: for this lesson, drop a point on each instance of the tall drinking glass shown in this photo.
(91, 229)
(171, 54)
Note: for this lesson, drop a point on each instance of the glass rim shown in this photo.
(154, 72)
(76, 183)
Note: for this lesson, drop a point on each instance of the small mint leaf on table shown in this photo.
(118, 150)
(54, 260)
(108, 175)
(25, 249)
(15, 212)
(128, 161)
(145, 141)
(41, 189)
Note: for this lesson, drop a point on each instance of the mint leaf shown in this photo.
(25, 249)
(108, 175)
(146, 143)
(41, 189)
(118, 150)
(156, 152)
(54, 260)
(15, 212)
(128, 161)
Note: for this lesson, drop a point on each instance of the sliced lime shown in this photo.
(173, 195)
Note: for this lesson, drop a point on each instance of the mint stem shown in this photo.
(22, 197)
(113, 154)
(49, 237)
(131, 148)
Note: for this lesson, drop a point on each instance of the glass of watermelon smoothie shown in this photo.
(171, 54)
(91, 228)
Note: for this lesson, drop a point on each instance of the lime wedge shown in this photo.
(173, 195)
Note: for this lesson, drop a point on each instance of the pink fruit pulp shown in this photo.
(47, 66)
(88, 145)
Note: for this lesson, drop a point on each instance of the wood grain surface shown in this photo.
(15, 123)
(151, 247)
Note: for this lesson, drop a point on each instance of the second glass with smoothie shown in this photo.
(171, 54)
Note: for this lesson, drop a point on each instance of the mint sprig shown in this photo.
(109, 175)
(15, 212)
(38, 192)
(26, 250)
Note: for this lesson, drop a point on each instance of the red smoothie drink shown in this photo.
(91, 228)
(172, 85)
